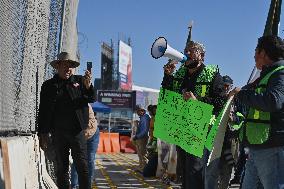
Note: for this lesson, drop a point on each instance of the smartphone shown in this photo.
(89, 66)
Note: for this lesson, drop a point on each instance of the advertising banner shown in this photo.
(125, 66)
(117, 99)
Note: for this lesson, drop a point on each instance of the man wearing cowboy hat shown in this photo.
(64, 113)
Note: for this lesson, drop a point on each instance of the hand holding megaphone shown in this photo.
(161, 48)
(170, 67)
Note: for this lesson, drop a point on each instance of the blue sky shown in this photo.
(228, 29)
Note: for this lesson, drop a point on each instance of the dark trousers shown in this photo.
(63, 142)
(180, 163)
(151, 167)
(193, 175)
(240, 166)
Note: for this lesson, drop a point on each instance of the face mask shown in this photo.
(193, 64)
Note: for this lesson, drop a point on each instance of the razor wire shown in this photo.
(29, 40)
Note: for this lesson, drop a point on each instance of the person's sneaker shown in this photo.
(166, 180)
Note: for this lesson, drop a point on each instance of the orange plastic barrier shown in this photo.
(115, 145)
(109, 142)
(126, 146)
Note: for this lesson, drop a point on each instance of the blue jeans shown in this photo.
(264, 169)
(211, 174)
(217, 173)
(92, 146)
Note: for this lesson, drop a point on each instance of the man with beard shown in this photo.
(195, 81)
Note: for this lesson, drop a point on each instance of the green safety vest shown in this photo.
(178, 77)
(203, 82)
(257, 128)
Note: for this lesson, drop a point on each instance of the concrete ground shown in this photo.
(120, 171)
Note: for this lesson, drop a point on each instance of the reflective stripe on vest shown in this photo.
(256, 114)
(204, 80)
(178, 78)
(203, 91)
(258, 122)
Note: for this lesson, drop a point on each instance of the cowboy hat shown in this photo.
(64, 57)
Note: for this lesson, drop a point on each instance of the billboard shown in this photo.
(117, 99)
(125, 66)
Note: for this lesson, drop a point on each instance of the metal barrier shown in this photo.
(29, 32)
(29, 40)
(32, 32)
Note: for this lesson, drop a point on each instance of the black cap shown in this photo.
(227, 80)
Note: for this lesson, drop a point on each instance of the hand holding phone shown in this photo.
(89, 66)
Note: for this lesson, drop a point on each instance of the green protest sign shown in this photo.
(180, 122)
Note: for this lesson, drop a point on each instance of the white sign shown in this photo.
(219, 138)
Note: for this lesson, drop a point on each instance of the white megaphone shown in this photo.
(161, 48)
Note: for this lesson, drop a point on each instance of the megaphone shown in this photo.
(161, 48)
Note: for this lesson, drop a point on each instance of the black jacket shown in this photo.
(216, 90)
(272, 100)
(80, 98)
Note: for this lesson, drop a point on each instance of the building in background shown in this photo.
(115, 88)
(97, 83)
(97, 86)
(146, 96)
(116, 74)
(107, 61)
(122, 105)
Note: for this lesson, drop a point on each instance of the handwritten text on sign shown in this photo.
(180, 122)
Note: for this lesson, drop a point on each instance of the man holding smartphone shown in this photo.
(64, 113)
(89, 66)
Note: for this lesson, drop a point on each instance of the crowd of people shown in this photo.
(253, 147)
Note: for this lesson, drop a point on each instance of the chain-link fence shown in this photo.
(29, 40)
